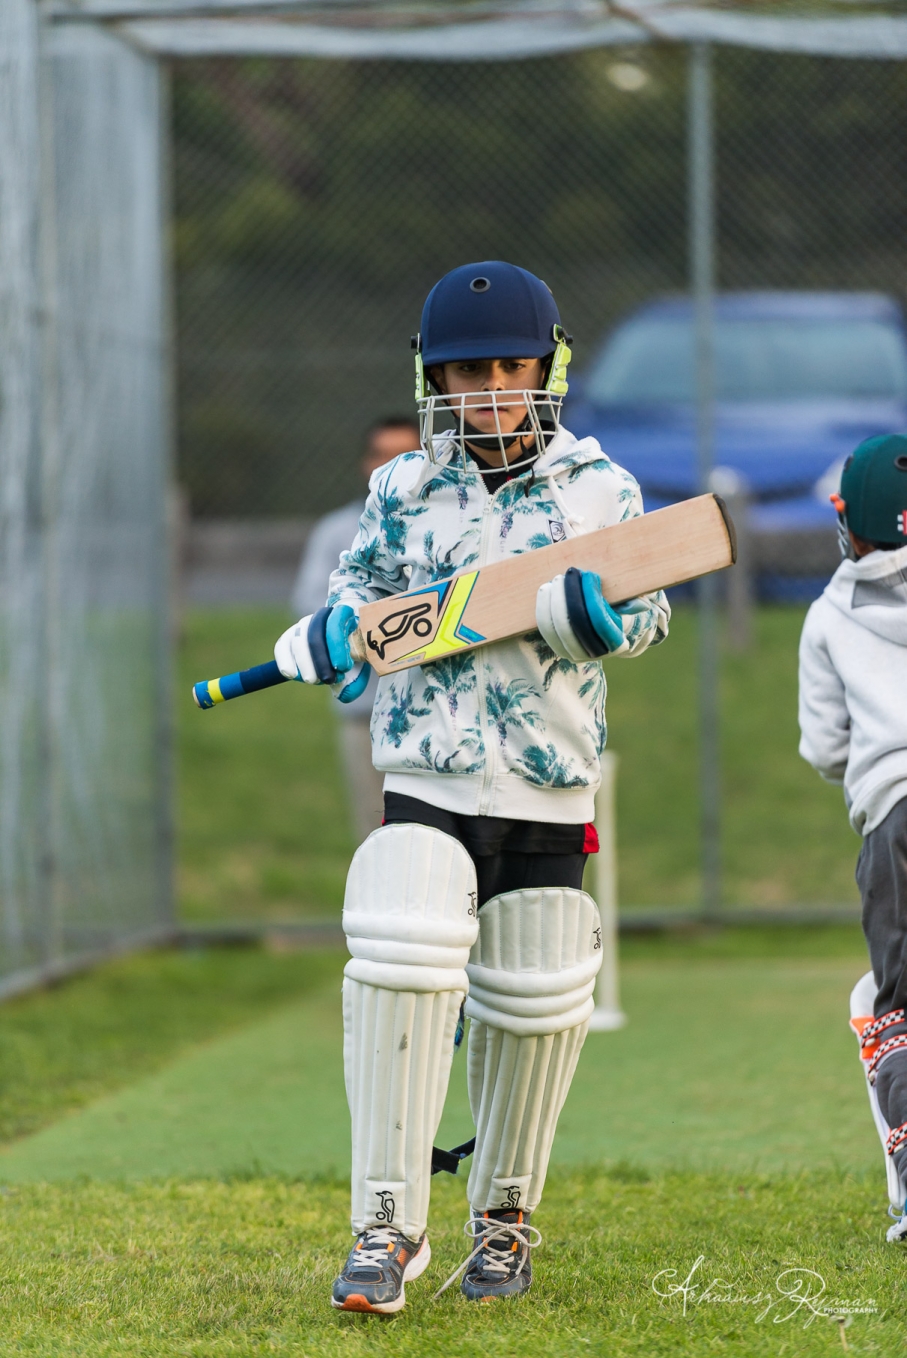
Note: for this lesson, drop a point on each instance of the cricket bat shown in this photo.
(495, 602)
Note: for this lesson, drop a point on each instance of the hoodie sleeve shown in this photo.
(645, 620)
(824, 718)
(371, 569)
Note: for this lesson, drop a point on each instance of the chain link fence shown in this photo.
(316, 203)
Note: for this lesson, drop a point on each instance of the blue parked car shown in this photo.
(801, 378)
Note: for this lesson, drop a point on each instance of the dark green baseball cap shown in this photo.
(874, 490)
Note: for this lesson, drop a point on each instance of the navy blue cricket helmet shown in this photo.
(485, 311)
(489, 310)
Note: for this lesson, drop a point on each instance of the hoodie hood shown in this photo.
(873, 593)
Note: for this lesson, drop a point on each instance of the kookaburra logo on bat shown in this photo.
(419, 617)
(433, 620)
(416, 618)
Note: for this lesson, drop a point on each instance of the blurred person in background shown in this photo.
(385, 439)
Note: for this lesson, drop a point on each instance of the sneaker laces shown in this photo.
(487, 1230)
(373, 1249)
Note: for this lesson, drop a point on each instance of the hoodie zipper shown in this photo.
(571, 525)
(490, 753)
(490, 748)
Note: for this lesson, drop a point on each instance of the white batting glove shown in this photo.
(291, 651)
(316, 650)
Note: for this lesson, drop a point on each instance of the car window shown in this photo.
(651, 360)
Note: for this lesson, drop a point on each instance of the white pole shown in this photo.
(607, 1014)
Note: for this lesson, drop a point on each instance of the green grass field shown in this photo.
(194, 1205)
(263, 825)
(173, 1132)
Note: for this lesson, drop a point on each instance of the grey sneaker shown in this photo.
(500, 1264)
(379, 1263)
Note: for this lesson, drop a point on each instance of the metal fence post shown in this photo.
(49, 944)
(700, 162)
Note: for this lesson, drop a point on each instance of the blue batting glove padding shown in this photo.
(340, 624)
(602, 616)
(356, 687)
(318, 647)
(595, 623)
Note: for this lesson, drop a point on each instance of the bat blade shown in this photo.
(495, 602)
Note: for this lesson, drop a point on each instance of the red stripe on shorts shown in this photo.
(590, 840)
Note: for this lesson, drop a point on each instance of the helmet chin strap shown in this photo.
(482, 443)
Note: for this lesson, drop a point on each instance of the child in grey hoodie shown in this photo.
(853, 723)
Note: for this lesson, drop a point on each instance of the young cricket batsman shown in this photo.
(853, 723)
(472, 888)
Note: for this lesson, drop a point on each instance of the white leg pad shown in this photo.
(410, 919)
(532, 973)
(862, 1010)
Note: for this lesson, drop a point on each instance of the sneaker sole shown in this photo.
(356, 1302)
(482, 1297)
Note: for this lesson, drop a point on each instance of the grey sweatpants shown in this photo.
(882, 879)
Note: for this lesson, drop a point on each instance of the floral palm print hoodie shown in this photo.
(508, 729)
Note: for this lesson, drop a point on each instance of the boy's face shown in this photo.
(474, 379)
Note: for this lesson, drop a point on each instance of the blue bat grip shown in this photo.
(211, 691)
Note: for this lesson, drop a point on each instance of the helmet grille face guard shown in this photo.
(444, 420)
(845, 546)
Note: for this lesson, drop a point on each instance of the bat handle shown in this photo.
(211, 691)
(357, 646)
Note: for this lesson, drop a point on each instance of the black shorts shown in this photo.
(508, 854)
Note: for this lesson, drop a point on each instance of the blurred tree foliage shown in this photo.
(317, 202)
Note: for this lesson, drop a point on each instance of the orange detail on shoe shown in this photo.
(356, 1302)
(390, 1246)
(871, 1040)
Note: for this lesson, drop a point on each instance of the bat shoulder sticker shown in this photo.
(432, 617)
